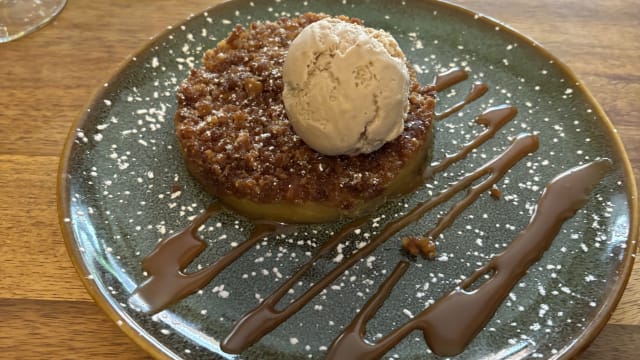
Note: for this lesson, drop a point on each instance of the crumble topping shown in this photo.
(237, 140)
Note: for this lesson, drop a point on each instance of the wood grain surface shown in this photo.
(47, 78)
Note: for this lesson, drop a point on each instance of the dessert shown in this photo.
(448, 324)
(238, 142)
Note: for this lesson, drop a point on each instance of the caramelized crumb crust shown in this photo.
(237, 141)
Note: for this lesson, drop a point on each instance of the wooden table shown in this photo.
(47, 77)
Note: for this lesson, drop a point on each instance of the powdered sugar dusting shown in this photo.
(132, 188)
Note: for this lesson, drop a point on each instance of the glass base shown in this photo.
(21, 17)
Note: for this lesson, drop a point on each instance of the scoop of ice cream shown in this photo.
(346, 87)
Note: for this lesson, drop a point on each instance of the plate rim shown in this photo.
(157, 350)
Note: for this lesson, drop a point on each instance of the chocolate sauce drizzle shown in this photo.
(449, 324)
(451, 77)
(447, 79)
(166, 263)
(477, 90)
(264, 318)
(453, 321)
(493, 119)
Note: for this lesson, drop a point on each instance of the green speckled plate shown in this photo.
(123, 187)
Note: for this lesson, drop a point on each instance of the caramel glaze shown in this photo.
(453, 321)
(265, 317)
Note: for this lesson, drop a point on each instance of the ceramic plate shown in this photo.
(123, 187)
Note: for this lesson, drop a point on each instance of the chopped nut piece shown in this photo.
(422, 245)
(495, 192)
(252, 86)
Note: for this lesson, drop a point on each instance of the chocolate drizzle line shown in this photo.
(453, 321)
(523, 145)
(477, 90)
(493, 119)
(166, 263)
(449, 78)
(264, 318)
